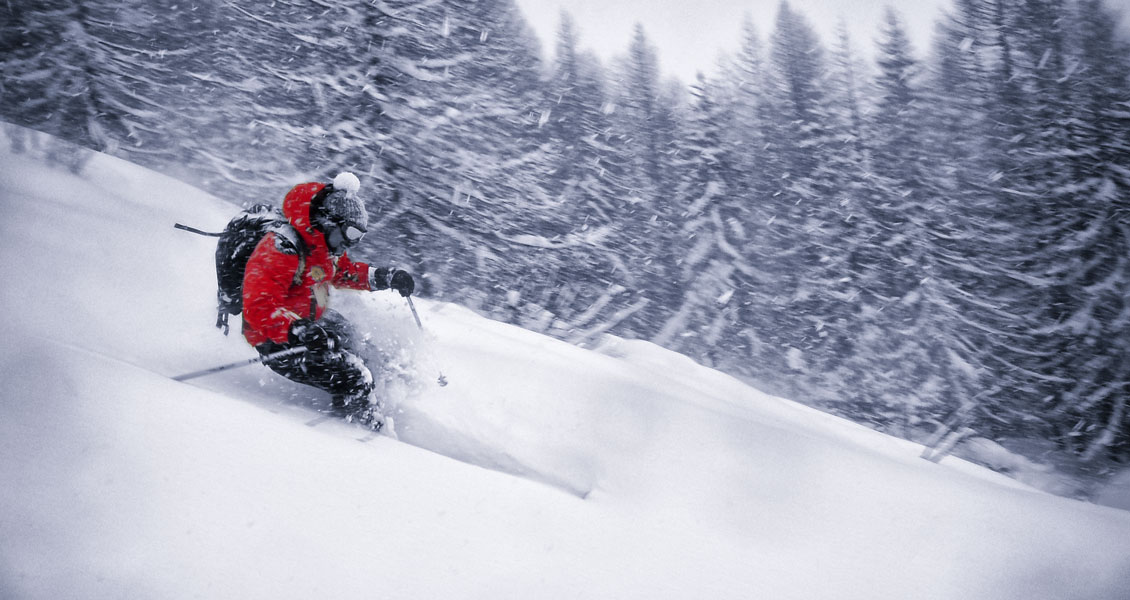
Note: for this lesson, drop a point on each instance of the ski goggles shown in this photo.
(350, 233)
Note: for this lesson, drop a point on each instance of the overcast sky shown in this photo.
(690, 34)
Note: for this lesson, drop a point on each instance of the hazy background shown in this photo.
(690, 34)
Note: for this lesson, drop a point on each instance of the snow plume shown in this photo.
(542, 471)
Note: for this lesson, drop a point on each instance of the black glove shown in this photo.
(316, 338)
(401, 281)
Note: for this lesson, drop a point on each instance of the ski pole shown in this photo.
(242, 363)
(415, 315)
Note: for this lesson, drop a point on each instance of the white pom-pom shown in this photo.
(347, 182)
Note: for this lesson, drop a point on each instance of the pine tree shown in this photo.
(638, 111)
(82, 72)
(899, 111)
(1086, 377)
(800, 314)
(584, 287)
(967, 285)
(748, 76)
(460, 156)
(710, 234)
(642, 122)
(896, 351)
(845, 234)
(1027, 251)
(757, 165)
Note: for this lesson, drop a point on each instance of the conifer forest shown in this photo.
(928, 240)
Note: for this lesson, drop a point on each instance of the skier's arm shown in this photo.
(352, 275)
(360, 276)
(269, 276)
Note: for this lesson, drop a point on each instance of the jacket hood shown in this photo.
(296, 207)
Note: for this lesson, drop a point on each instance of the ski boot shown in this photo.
(359, 410)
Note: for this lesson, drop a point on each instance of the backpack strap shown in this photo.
(288, 241)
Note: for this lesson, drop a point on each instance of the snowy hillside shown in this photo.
(541, 471)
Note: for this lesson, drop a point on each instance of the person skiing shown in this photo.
(286, 290)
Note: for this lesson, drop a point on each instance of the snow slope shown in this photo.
(542, 471)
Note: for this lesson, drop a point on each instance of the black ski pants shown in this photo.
(341, 372)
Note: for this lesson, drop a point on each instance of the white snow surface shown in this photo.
(541, 471)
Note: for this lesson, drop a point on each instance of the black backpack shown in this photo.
(237, 242)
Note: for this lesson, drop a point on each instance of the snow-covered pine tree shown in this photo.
(711, 232)
(747, 74)
(1086, 325)
(460, 155)
(800, 235)
(850, 190)
(1032, 254)
(637, 113)
(550, 233)
(745, 87)
(897, 350)
(968, 239)
(570, 114)
(585, 290)
(83, 72)
(644, 119)
(1028, 115)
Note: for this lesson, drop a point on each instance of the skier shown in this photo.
(286, 288)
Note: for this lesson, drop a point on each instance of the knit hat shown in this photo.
(343, 204)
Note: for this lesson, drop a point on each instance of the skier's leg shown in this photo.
(341, 373)
(352, 380)
(344, 330)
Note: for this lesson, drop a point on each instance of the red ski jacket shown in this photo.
(275, 293)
